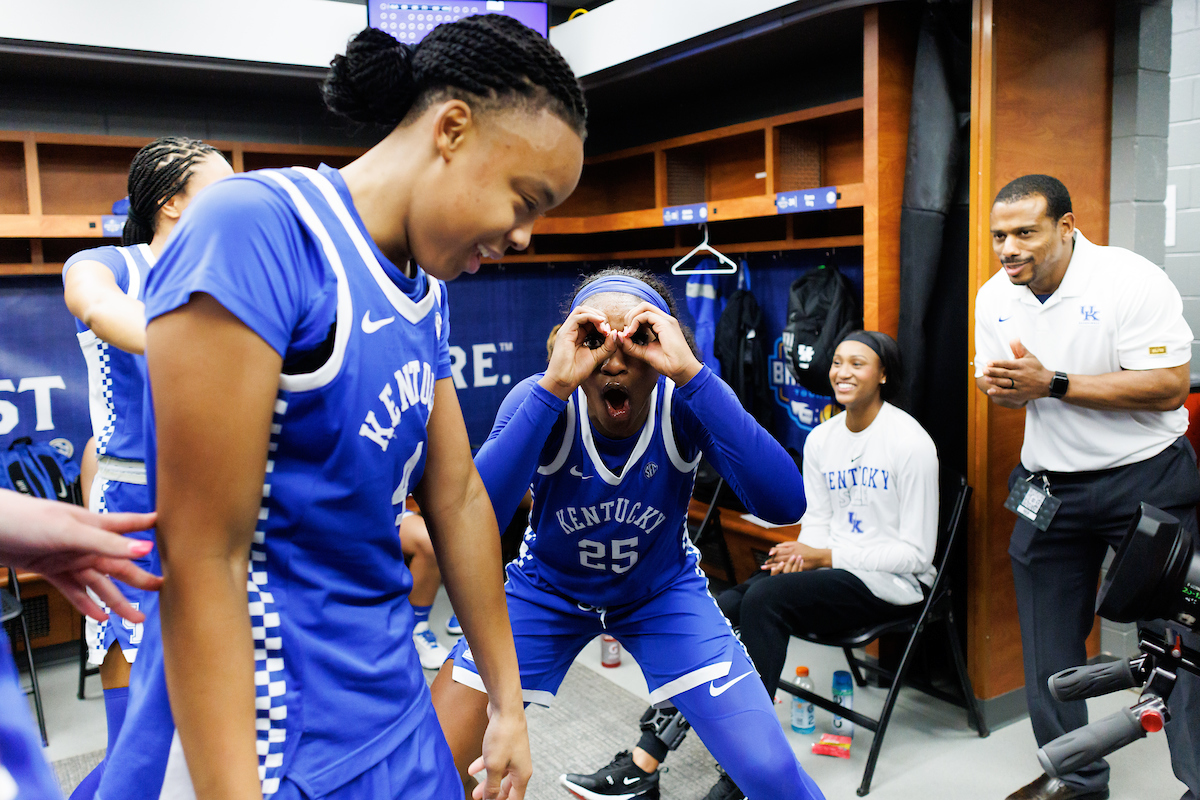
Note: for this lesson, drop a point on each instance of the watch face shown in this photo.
(1058, 384)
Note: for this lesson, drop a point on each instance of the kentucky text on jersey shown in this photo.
(415, 381)
(573, 519)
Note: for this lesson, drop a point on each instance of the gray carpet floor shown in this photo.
(70, 771)
(590, 721)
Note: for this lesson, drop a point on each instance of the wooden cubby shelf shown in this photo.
(55, 188)
(736, 170)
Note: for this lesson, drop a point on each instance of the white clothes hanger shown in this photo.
(729, 266)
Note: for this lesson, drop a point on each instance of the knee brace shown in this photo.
(667, 724)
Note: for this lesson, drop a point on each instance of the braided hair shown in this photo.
(159, 171)
(487, 61)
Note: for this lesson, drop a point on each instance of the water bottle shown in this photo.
(804, 719)
(843, 695)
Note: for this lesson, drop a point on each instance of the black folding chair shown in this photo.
(710, 529)
(11, 609)
(938, 607)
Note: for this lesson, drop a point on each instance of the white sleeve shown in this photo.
(911, 551)
(814, 525)
(1151, 332)
(988, 346)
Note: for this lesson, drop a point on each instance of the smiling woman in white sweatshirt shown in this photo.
(867, 540)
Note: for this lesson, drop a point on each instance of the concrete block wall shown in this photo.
(1141, 113)
(1141, 99)
(1183, 161)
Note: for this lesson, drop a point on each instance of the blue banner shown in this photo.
(43, 379)
(806, 200)
(500, 320)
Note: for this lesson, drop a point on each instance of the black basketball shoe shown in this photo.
(620, 780)
(724, 789)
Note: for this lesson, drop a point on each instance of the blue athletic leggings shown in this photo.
(739, 727)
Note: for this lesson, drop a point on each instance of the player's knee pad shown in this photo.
(667, 724)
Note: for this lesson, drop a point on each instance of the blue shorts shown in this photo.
(689, 656)
(112, 497)
(679, 637)
(421, 767)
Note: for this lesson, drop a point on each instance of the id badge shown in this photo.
(1034, 503)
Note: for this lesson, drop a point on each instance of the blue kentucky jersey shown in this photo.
(609, 519)
(337, 678)
(114, 376)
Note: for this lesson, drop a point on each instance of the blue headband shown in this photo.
(624, 285)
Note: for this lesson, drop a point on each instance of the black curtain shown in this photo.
(934, 229)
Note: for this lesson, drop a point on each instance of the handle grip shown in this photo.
(1078, 683)
(1075, 750)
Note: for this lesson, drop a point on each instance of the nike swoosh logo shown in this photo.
(575, 471)
(717, 691)
(1003, 319)
(62, 491)
(856, 458)
(370, 326)
(628, 781)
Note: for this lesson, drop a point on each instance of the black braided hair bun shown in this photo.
(373, 83)
(489, 60)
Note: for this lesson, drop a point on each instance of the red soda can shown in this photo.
(610, 651)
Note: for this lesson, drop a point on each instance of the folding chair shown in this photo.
(710, 527)
(85, 671)
(938, 607)
(10, 609)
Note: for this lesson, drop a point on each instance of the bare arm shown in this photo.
(94, 298)
(214, 384)
(1023, 379)
(463, 528)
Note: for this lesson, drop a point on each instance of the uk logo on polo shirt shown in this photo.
(1090, 315)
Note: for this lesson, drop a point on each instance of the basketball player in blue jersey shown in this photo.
(77, 551)
(104, 287)
(300, 388)
(609, 437)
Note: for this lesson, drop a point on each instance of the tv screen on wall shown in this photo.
(410, 22)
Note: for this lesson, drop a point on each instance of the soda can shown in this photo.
(610, 651)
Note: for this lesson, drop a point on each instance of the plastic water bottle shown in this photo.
(804, 718)
(843, 695)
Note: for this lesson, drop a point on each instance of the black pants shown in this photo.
(1056, 573)
(770, 608)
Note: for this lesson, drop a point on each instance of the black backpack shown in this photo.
(822, 308)
(739, 347)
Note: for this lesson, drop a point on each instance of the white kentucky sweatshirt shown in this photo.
(873, 501)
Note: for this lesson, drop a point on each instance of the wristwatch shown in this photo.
(1058, 385)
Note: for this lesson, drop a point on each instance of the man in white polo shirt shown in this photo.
(1091, 341)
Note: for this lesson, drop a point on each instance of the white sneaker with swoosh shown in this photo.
(370, 326)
